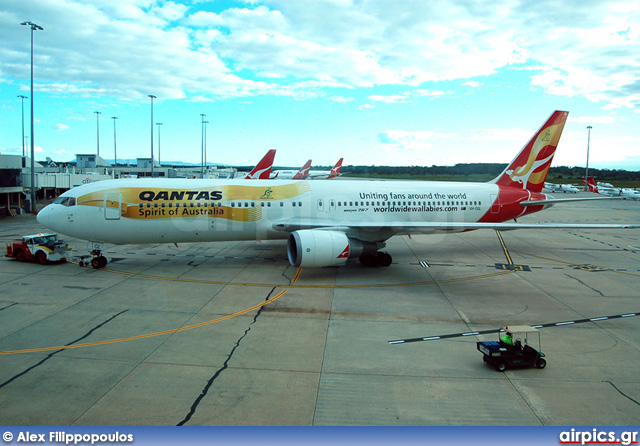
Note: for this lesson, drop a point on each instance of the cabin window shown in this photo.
(162, 205)
(294, 204)
(269, 204)
(191, 205)
(299, 203)
(281, 204)
(170, 205)
(205, 204)
(262, 203)
(233, 205)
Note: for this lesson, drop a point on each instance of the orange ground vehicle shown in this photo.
(42, 248)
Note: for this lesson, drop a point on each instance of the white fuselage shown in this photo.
(176, 210)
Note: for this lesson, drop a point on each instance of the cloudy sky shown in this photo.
(396, 82)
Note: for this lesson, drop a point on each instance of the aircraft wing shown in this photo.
(564, 200)
(399, 228)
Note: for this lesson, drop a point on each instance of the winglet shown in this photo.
(303, 172)
(335, 172)
(530, 167)
(263, 169)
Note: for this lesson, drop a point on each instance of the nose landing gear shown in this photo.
(98, 260)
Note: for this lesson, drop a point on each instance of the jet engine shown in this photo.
(317, 248)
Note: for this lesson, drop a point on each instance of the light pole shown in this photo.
(152, 98)
(205, 143)
(586, 176)
(159, 124)
(202, 144)
(97, 133)
(115, 152)
(34, 27)
(23, 98)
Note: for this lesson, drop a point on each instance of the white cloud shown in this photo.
(340, 99)
(60, 127)
(127, 48)
(392, 99)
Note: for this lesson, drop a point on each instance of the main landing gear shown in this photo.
(374, 260)
(97, 260)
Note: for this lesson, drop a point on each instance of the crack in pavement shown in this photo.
(209, 383)
(50, 355)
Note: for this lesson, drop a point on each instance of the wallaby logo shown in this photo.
(267, 194)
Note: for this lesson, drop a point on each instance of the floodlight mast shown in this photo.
(34, 27)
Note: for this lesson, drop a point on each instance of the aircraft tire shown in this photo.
(368, 260)
(384, 258)
(95, 262)
(103, 261)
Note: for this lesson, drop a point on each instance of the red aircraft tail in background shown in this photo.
(304, 171)
(263, 169)
(335, 172)
(591, 183)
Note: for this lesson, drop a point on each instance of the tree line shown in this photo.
(488, 169)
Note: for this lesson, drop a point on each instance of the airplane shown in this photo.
(325, 222)
(263, 168)
(610, 191)
(327, 174)
(561, 188)
(591, 184)
(301, 174)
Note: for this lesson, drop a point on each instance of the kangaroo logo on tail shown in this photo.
(530, 167)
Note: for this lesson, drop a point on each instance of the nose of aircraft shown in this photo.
(44, 216)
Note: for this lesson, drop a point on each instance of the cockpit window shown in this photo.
(65, 201)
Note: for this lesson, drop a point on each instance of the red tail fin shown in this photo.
(263, 169)
(529, 169)
(335, 172)
(303, 172)
(591, 183)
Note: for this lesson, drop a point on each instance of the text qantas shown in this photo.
(149, 195)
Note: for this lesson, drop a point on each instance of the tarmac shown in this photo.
(201, 334)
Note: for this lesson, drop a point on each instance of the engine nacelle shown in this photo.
(317, 248)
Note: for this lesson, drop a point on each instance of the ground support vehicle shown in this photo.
(501, 355)
(42, 248)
